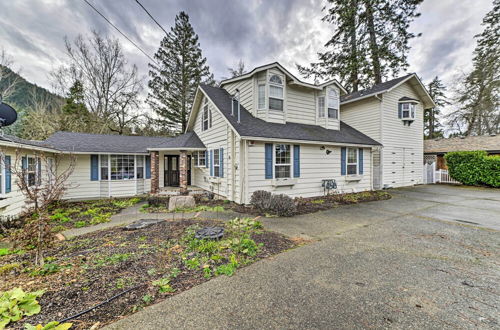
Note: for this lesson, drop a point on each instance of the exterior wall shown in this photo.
(220, 135)
(315, 165)
(403, 152)
(364, 116)
(301, 105)
(246, 88)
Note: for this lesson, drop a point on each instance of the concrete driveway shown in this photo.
(428, 258)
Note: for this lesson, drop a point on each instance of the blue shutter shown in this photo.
(221, 163)
(360, 161)
(8, 175)
(206, 158)
(94, 167)
(343, 165)
(296, 161)
(400, 110)
(211, 158)
(148, 167)
(269, 160)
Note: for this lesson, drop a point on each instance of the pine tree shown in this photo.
(370, 41)
(479, 106)
(432, 127)
(180, 68)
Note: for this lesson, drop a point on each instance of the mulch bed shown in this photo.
(99, 265)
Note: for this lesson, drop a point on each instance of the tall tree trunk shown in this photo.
(377, 72)
(354, 48)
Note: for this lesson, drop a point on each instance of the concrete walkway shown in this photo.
(133, 213)
(399, 263)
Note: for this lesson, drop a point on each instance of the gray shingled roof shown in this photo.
(15, 139)
(468, 143)
(250, 126)
(83, 142)
(379, 88)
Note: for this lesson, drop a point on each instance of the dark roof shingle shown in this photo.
(379, 88)
(468, 143)
(250, 126)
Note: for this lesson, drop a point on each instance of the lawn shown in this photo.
(152, 263)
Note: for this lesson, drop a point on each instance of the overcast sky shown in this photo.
(257, 31)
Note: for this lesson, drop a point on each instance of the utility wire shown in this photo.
(147, 12)
(117, 29)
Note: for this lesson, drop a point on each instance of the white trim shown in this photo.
(307, 142)
(289, 164)
(27, 146)
(356, 152)
(176, 148)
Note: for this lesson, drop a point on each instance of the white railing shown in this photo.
(442, 176)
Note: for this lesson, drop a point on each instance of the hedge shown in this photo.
(474, 168)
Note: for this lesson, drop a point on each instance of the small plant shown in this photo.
(46, 269)
(15, 304)
(229, 268)
(245, 245)
(192, 263)
(61, 217)
(283, 205)
(245, 224)
(175, 272)
(4, 269)
(147, 298)
(49, 326)
(163, 285)
(261, 200)
(318, 201)
(80, 224)
(207, 272)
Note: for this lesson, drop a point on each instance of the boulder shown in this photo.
(181, 202)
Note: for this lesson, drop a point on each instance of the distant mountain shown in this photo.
(23, 94)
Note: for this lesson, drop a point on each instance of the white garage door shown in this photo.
(402, 167)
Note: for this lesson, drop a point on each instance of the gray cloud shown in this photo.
(257, 31)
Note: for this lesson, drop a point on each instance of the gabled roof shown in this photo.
(388, 86)
(288, 73)
(16, 140)
(251, 127)
(187, 141)
(465, 143)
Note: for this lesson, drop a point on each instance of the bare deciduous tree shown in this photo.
(8, 80)
(111, 86)
(42, 180)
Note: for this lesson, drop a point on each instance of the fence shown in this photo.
(442, 176)
(431, 175)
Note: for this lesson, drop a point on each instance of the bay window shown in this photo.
(276, 98)
(321, 107)
(262, 96)
(352, 161)
(333, 104)
(408, 110)
(282, 161)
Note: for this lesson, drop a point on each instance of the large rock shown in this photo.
(181, 202)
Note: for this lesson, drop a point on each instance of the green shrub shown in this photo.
(474, 168)
(46, 269)
(54, 325)
(15, 304)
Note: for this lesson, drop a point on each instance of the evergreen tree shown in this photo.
(479, 108)
(432, 127)
(370, 41)
(180, 68)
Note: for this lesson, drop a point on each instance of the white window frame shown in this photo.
(37, 163)
(334, 97)
(411, 108)
(290, 164)
(2, 176)
(206, 116)
(136, 166)
(197, 157)
(276, 85)
(356, 163)
(261, 96)
(321, 109)
(216, 162)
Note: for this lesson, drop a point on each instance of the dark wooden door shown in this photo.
(171, 174)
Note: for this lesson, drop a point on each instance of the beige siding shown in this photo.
(364, 116)
(80, 185)
(246, 92)
(402, 155)
(315, 165)
(301, 105)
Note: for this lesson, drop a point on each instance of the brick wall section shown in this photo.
(155, 172)
(183, 175)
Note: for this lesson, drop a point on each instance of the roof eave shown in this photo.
(260, 138)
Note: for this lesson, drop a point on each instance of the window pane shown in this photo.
(122, 167)
(174, 163)
(333, 113)
(140, 172)
(282, 171)
(216, 157)
(201, 158)
(321, 107)
(216, 171)
(262, 96)
(276, 92)
(352, 155)
(275, 79)
(104, 173)
(282, 154)
(352, 169)
(275, 104)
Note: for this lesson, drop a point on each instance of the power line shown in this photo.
(147, 12)
(117, 29)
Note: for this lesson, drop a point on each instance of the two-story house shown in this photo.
(264, 130)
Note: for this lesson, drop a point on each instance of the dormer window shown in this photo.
(407, 109)
(333, 104)
(275, 92)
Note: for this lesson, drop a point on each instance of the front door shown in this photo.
(171, 174)
(172, 171)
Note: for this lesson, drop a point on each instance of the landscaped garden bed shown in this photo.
(262, 204)
(153, 263)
